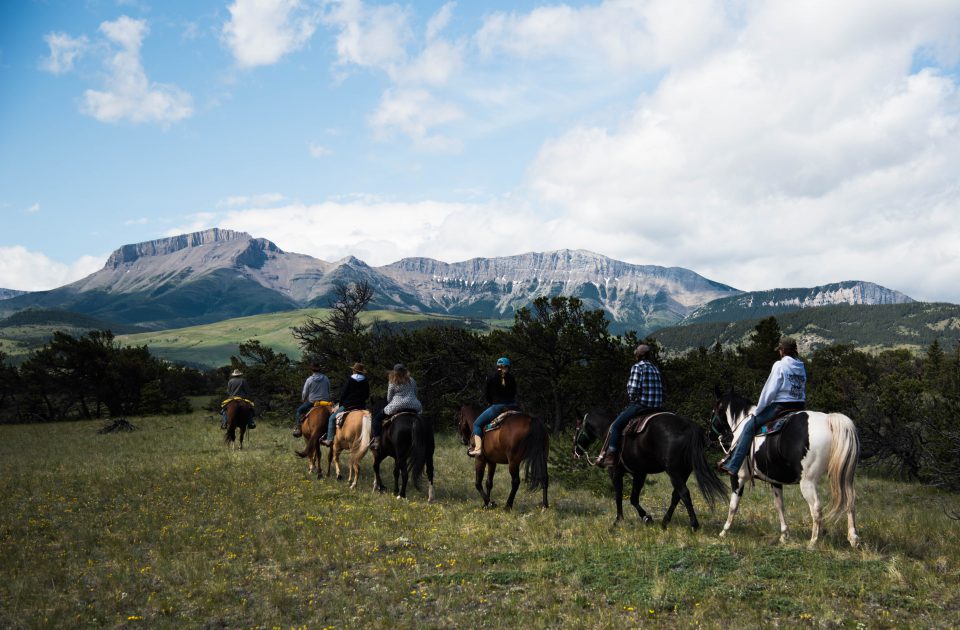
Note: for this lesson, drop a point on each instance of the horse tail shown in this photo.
(844, 453)
(710, 485)
(421, 445)
(366, 430)
(535, 459)
(231, 412)
(312, 445)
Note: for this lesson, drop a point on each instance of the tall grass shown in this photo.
(164, 527)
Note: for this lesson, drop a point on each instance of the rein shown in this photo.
(577, 449)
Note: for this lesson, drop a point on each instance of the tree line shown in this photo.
(566, 360)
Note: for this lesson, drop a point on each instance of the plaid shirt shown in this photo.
(644, 386)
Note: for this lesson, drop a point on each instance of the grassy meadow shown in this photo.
(164, 527)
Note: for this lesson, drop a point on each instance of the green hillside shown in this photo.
(211, 345)
(28, 330)
(870, 328)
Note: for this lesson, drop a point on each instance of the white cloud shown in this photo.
(34, 208)
(415, 113)
(64, 52)
(260, 32)
(318, 150)
(370, 37)
(129, 94)
(440, 20)
(254, 201)
(25, 270)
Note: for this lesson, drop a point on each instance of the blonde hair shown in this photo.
(399, 376)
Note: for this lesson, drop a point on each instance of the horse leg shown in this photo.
(809, 491)
(852, 527)
(243, 431)
(616, 477)
(514, 468)
(478, 469)
(681, 493)
(491, 468)
(377, 481)
(778, 502)
(635, 489)
(430, 478)
(735, 497)
(399, 478)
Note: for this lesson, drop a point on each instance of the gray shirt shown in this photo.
(402, 396)
(237, 386)
(316, 387)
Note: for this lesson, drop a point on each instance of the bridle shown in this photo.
(579, 451)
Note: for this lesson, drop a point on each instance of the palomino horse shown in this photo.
(668, 444)
(810, 444)
(520, 438)
(313, 428)
(408, 439)
(354, 437)
(239, 412)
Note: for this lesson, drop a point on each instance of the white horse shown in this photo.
(809, 445)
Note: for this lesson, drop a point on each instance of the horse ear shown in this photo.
(717, 391)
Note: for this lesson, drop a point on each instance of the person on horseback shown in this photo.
(315, 388)
(785, 390)
(236, 388)
(353, 396)
(644, 393)
(501, 392)
(401, 396)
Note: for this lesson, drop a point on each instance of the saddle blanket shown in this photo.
(341, 416)
(389, 419)
(496, 422)
(638, 424)
(232, 398)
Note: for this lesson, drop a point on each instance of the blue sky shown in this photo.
(761, 144)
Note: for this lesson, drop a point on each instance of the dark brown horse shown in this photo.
(314, 427)
(409, 440)
(521, 438)
(238, 412)
(669, 444)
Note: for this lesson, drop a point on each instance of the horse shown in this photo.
(520, 438)
(313, 428)
(668, 444)
(354, 437)
(809, 445)
(238, 412)
(409, 440)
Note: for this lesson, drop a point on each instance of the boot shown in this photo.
(375, 443)
(252, 424)
(607, 459)
(223, 421)
(477, 448)
(297, 432)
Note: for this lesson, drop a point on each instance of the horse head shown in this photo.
(591, 426)
(465, 418)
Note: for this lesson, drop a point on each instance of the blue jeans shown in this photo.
(332, 422)
(742, 447)
(302, 409)
(377, 424)
(489, 415)
(616, 428)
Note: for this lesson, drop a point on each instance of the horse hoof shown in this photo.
(723, 534)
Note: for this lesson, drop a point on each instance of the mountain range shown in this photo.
(219, 274)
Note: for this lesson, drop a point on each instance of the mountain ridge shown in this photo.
(217, 274)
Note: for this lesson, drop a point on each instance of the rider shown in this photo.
(236, 388)
(315, 388)
(784, 390)
(353, 396)
(644, 393)
(401, 396)
(501, 392)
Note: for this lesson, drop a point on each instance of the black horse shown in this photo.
(409, 440)
(668, 444)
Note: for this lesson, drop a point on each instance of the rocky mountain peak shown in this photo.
(170, 245)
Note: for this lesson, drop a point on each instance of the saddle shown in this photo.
(496, 422)
(389, 419)
(776, 423)
(639, 423)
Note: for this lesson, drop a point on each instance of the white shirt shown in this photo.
(786, 383)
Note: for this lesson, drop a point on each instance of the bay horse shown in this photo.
(314, 427)
(810, 444)
(521, 438)
(409, 440)
(238, 412)
(668, 443)
(353, 437)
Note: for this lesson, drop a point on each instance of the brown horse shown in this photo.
(239, 412)
(521, 438)
(314, 427)
(354, 437)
